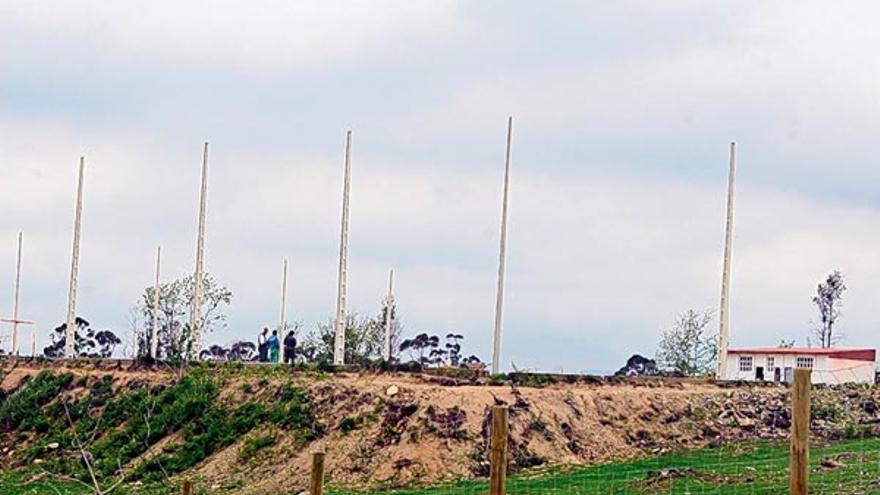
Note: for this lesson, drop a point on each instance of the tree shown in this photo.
(453, 348)
(175, 309)
(688, 348)
(364, 338)
(638, 365)
(422, 348)
(389, 308)
(828, 300)
(88, 342)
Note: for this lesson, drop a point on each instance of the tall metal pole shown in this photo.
(70, 337)
(342, 287)
(15, 314)
(499, 300)
(283, 324)
(154, 335)
(724, 312)
(196, 320)
(389, 305)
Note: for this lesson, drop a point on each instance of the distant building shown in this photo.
(777, 364)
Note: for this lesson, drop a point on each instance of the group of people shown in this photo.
(269, 346)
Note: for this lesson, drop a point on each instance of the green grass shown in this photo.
(736, 469)
(748, 468)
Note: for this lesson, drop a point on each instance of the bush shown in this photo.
(351, 423)
(252, 445)
(23, 410)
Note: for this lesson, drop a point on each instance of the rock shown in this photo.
(38, 461)
(710, 432)
(392, 391)
(831, 463)
(744, 422)
(53, 446)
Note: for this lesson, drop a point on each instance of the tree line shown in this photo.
(364, 334)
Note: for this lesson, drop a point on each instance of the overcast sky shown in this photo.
(623, 113)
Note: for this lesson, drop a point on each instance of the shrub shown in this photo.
(351, 423)
(253, 445)
(23, 410)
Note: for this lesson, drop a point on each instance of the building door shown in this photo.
(777, 374)
(759, 373)
(789, 375)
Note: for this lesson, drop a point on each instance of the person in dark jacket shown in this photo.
(289, 347)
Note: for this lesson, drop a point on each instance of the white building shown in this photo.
(830, 366)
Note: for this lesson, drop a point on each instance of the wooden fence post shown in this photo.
(187, 487)
(316, 486)
(498, 453)
(800, 432)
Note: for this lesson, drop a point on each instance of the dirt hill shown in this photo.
(251, 429)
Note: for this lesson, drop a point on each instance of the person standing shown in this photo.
(274, 345)
(263, 345)
(289, 347)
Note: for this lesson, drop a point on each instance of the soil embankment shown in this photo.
(395, 429)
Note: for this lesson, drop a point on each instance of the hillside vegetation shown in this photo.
(241, 429)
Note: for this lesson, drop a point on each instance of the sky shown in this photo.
(623, 114)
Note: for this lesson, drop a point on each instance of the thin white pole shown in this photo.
(389, 304)
(283, 324)
(342, 287)
(154, 335)
(70, 337)
(15, 313)
(196, 320)
(724, 313)
(499, 300)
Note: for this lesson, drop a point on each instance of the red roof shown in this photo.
(839, 353)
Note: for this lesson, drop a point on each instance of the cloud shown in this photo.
(259, 38)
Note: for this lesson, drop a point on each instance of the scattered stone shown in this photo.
(38, 461)
(392, 391)
(831, 463)
(669, 474)
(53, 446)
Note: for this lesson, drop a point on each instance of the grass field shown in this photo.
(759, 468)
(851, 467)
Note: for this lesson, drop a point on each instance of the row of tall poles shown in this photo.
(199, 274)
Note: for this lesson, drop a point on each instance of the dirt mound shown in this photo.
(400, 429)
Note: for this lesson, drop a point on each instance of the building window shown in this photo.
(804, 362)
(771, 362)
(745, 363)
